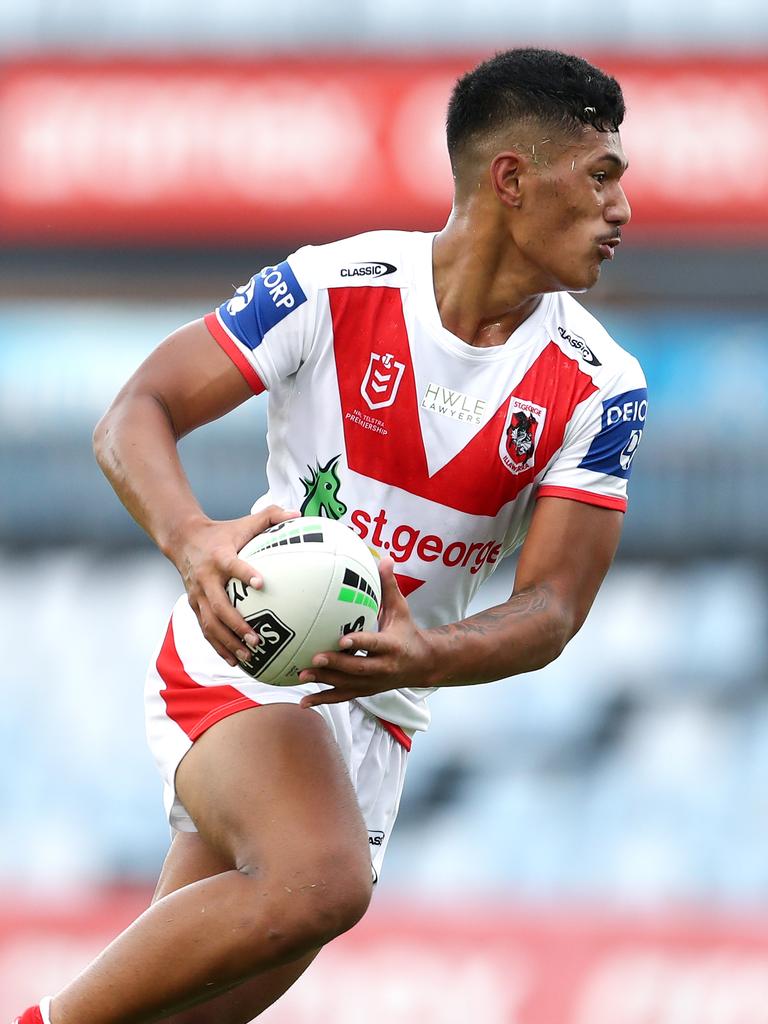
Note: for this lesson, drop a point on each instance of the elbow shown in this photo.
(107, 431)
(102, 438)
(99, 439)
(561, 629)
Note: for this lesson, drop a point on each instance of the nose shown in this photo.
(618, 211)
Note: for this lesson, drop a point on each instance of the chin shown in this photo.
(586, 279)
(575, 277)
(580, 282)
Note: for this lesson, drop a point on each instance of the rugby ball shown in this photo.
(320, 582)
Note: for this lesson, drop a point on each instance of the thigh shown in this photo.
(189, 860)
(268, 789)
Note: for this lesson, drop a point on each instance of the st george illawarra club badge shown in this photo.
(522, 431)
(381, 380)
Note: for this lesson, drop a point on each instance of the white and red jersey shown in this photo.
(432, 450)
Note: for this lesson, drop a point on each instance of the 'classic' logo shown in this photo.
(370, 268)
(577, 342)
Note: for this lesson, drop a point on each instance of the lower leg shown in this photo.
(189, 946)
(246, 1002)
(190, 859)
(304, 879)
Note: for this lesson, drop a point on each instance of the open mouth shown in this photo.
(607, 247)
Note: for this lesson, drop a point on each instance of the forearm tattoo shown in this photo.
(520, 635)
(530, 601)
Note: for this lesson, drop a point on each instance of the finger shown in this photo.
(221, 649)
(392, 600)
(222, 652)
(253, 525)
(314, 700)
(350, 686)
(339, 662)
(246, 573)
(277, 514)
(210, 595)
(373, 643)
(223, 627)
(229, 618)
(233, 652)
(259, 521)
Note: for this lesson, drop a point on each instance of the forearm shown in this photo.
(135, 446)
(523, 634)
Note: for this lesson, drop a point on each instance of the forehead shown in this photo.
(591, 146)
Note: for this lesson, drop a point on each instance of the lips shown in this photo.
(607, 247)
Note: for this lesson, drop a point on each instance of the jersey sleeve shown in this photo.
(595, 461)
(267, 327)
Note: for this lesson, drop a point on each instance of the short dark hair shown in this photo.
(557, 89)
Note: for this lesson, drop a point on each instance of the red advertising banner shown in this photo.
(226, 151)
(493, 966)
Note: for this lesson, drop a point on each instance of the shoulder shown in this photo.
(286, 293)
(380, 258)
(581, 336)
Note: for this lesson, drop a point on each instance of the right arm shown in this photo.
(186, 382)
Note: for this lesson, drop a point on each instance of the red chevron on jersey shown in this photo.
(369, 322)
(407, 584)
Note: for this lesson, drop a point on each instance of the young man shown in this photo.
(448, 399)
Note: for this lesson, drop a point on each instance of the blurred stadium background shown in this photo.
(588, 845)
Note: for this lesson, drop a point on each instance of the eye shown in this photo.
(600, 176)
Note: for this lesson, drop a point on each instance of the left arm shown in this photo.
(568, 550)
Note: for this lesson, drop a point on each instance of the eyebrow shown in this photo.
(612, 158)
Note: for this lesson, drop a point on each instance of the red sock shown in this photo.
(30, 1016)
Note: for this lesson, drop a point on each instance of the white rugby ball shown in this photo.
(320, 582)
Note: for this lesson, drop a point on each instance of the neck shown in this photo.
(482, 287)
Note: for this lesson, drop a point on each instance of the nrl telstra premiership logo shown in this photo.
(381, 380)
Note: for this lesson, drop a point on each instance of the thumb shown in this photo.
(257, 522)
(392, 601)
(251, 526)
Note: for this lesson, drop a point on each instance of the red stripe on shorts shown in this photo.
(192, 706)
(195, 708)
(397, 733)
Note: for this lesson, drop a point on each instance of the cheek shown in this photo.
(558, 229)
(560, 234)
(577, 212)
(575, 230)
(563, 215)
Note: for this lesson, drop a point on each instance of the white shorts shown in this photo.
(189, 688)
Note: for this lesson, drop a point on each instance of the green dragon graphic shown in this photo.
(321, 491)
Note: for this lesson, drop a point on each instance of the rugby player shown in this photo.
(457, 403)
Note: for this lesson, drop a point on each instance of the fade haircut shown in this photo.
(517, 87)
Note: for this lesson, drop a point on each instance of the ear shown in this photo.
(507, 170)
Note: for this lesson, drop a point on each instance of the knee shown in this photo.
(320, 907)
(306, 909)
(342, 901)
